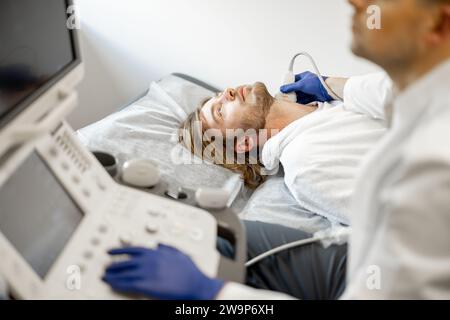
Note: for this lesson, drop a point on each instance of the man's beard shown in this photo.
(263, 99)
(261, 104)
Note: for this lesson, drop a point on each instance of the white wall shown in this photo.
(126, 44)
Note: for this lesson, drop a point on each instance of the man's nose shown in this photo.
(229, 94)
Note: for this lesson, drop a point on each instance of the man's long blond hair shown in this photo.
(192, 136)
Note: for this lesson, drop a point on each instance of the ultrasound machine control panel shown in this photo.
(61, 212)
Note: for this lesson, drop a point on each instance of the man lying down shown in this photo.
(320, 146)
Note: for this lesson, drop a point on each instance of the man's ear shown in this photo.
(442, 31)
(245, 144)
(446, 23)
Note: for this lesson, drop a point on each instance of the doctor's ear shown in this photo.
(441, 33)
(245, 144)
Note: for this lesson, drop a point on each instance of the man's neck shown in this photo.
(284, 112)
(406, 76)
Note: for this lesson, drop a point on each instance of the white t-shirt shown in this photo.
(321, 154)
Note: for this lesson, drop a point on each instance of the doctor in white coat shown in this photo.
(399, 247)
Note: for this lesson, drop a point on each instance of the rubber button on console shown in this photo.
(153, 213)
(176, 230)
(152, 228)
(86, 193)
(126, 240)
(65, 166)
(95, 241)
(103, 228)
(196, 234)
(88, 255)
(76, 179)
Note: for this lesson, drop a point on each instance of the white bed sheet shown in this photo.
(147, 129)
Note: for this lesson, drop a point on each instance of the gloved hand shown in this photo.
(164, 273)
(308, 88)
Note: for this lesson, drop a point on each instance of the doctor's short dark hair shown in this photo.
(192, 137)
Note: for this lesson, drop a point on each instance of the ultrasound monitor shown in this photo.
(36, 50)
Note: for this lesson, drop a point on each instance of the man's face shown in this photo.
(244, 107)
(399, 42)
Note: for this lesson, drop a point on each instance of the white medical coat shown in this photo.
(400, 246)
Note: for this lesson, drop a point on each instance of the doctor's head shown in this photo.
(402, 35)
(225, 130)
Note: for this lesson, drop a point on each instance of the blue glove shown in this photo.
(164, 273)
(308, 88)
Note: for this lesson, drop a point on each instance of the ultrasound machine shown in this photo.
(60, 211)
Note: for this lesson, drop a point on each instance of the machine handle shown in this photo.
(52, 118)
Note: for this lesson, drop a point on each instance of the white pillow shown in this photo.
(148, 129)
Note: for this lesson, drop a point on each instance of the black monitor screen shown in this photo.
(35, 48)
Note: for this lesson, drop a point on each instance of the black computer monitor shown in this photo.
(37, 49)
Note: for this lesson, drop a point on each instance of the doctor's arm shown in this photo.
(409, 257)
(368, 94)
(337, 85)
